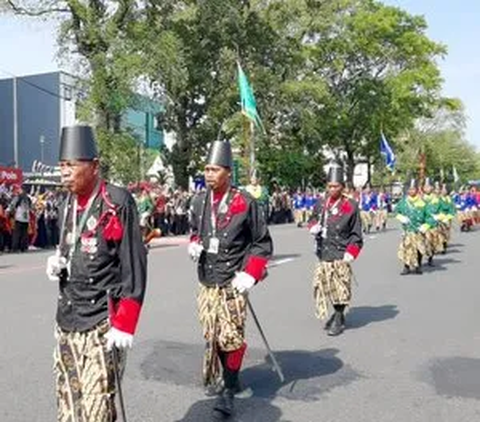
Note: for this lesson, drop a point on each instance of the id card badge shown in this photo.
(324, 232)
(213, 245)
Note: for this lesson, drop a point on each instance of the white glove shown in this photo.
(403, 219)
(348, 257)
(195, 249)
(314, 230)
(55, 265)
(243, 282)
(119, 339)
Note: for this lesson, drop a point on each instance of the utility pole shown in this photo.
(15, 123)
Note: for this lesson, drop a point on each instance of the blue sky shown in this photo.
(29, 47)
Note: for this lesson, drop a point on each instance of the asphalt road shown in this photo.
(411, 351)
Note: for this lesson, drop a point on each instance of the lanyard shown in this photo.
(222, 208)
(328, 210)
(77, 231)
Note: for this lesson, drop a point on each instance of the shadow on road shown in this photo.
(362, 316)
(440, 264)
(455, 245)
(251, 410)
(308, 375)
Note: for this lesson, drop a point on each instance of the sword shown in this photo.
(115, 361)
(276, 366)
(118, 382)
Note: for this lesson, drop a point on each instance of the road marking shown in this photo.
(21, 270)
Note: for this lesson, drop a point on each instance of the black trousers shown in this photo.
(20, 237)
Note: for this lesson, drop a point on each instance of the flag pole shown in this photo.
(252, 148)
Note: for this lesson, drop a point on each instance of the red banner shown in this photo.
(11, 176)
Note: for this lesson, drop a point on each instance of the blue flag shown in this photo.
(387, 152)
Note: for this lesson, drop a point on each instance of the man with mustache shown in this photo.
(100, 266)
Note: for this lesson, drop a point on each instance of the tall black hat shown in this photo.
(78, 143)
(335, 173)
(220, 154)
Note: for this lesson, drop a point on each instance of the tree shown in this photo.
(328, 75)
(97, 36)
(440, 140)
(380, 73)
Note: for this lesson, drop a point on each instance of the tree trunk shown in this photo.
(350, 162)
(369, 171)
(181, 151)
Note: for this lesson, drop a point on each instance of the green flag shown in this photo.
(247, 99)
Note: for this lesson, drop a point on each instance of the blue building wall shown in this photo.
(6, 122)
(38, 111)
(40, 105)
(39, 108)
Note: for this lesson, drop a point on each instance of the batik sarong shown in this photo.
(410, 246)
(332, 285)
(85, 377)
(222, 313)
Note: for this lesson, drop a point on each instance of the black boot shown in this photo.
(406, 270)
(224, 403)
(224, 406)
(445, 245)
(328, 324)
(430, 261)
(418, 270)
(338, 324)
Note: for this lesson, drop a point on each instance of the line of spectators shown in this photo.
(28, 219)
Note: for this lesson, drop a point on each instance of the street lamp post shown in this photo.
(42, 144)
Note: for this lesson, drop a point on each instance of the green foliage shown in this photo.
(327, 76)
(442, 139)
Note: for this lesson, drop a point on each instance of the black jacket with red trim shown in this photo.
(343, 229)
(108, 271)
(242, 232)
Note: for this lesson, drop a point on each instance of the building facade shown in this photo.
(33, 109)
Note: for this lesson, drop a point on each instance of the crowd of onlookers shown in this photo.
(28, 219)
(163, 208)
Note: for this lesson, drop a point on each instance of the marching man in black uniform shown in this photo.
(337, 228)
(100, 266)
(231, 242)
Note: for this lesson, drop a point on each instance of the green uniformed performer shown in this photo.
(411, 212)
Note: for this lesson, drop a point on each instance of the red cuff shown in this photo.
(353, 250)
(194, 238)
(256, 266)
(126, 315)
